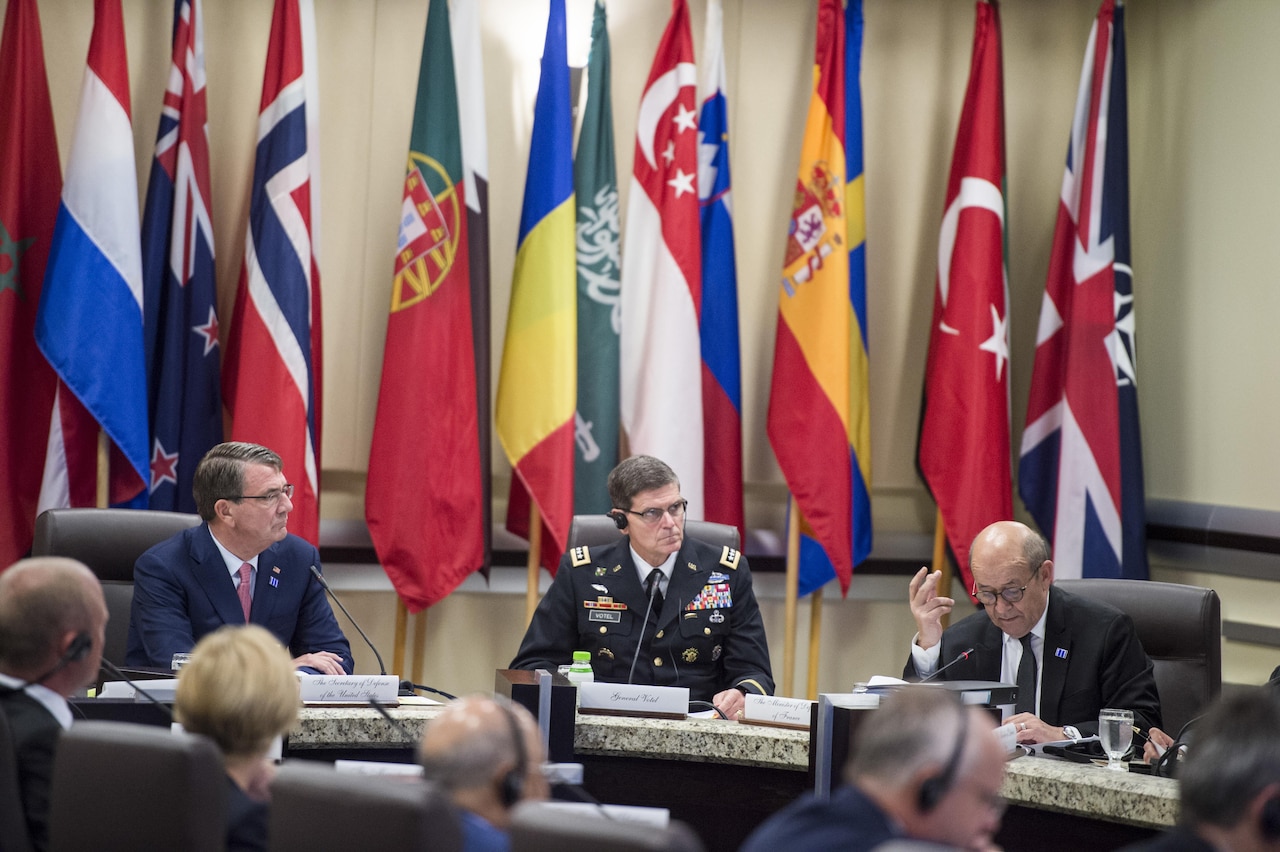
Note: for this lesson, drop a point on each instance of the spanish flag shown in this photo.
(537, 386)
(817, 422)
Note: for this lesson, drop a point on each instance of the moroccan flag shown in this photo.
(468, 67)
(272, 379)
(718, 326)
(964, 452)
(28, 208)
(595, 179)
(89, 324)
(180, 290)
(662, 275)
(812, 415)
(536, 386)
(1081, 468)
(424, 495)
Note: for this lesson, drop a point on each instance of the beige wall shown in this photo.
(1204, 123)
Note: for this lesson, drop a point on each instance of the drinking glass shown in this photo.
(1115, 730)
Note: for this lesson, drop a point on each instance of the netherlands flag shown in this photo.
(272, 373)
(89, 325)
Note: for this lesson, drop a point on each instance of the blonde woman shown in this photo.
(240, 690)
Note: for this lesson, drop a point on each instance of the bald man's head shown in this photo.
(45, 603)
(485, 751)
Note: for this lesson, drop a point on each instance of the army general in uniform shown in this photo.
(703, 629)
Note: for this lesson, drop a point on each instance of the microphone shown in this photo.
(408, 734)
(115, 672)
(963, 655)
(382, 669)
(653, 593)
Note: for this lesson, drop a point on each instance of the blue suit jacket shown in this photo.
(182, 590)
(847, 821)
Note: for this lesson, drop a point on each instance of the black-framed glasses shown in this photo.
(271, 497)
(1012, 595)
(653, 514)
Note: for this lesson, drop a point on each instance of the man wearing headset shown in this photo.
(924, 767)
(485, 753)
(654, 607)
(53, 622)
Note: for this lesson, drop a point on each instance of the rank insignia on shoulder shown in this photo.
(580, 555)
(729, 558)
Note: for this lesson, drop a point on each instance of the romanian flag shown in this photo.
(423, 502)
(537, 385)
(817, 421)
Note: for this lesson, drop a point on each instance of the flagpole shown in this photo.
(815, 640)
(793, 587)
(419, 647)
(402, 618)
(104, 470)
(535, 549)
(942, 563)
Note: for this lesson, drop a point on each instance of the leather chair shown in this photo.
(599, 530)
(120, 786)
(536, 827)
(315, 808)
(1180, 628)
(13, 817)
(109, 541)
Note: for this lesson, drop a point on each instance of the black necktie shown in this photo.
(1026, 678)
(653, 588)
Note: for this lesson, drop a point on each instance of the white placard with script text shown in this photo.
(634, 698)
(775, 710)
(348, 689)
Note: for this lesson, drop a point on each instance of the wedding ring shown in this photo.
(1024, 726)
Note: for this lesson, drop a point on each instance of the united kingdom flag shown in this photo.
(273, 368)
(1081, 468)
(178, 278)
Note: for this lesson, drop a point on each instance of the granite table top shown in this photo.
(1037, 782)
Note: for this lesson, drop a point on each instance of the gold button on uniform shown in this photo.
(604, 630)
(706, 630)
(660, 632)
(657, 661)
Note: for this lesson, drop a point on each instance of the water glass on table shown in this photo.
(1115, 730)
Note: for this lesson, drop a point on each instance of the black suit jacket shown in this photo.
(35, 738)
(182, 591)
(1092, 660)
(597, 604)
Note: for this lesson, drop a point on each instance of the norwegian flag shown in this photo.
(662, 269)
(1081, 468)
(272, 381)
(964, 453)
(179, 287)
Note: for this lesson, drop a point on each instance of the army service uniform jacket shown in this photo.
(708, 635)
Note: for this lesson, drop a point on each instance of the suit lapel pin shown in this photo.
(1061, 653)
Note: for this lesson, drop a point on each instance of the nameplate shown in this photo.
(778, 711)
(349, 689)
(161, 689)
(621, 699)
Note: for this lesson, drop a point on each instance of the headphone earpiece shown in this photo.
(78, 648)
(1269, 824)
(619, 519)
(933, 788)
(511, 788)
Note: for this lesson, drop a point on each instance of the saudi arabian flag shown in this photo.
(599, 284)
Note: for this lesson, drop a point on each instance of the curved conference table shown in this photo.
(725, 778)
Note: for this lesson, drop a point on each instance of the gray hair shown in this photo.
(1236, 753)
(913, 728)
(471, 760)
(637, 474)
(220, 474)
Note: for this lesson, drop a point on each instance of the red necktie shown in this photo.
(246, 599)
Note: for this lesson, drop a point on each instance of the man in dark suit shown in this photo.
(53, 622)
(241, 565)
(1084, 655)
(655, 607)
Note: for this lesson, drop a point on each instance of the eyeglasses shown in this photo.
(653, 515)
(1011, 595)
(272, 497)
